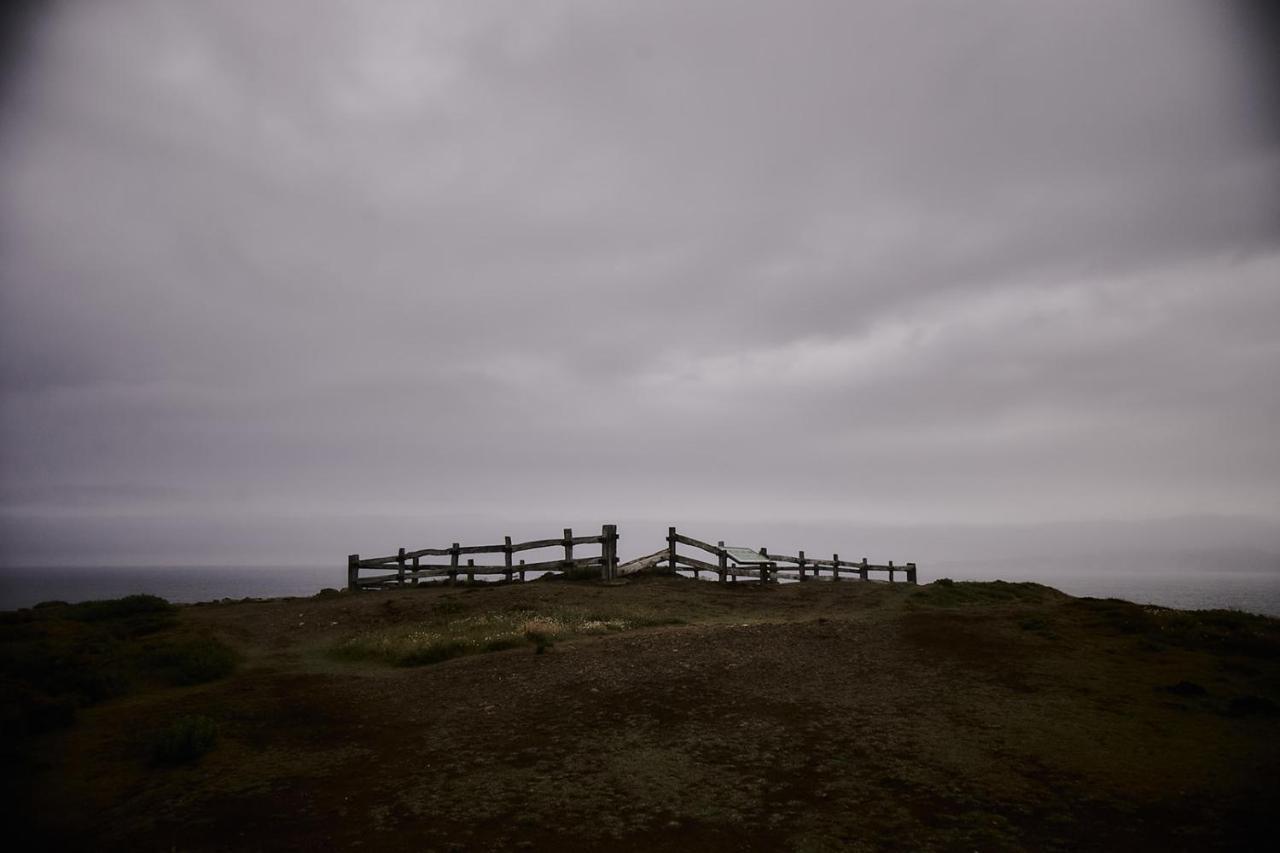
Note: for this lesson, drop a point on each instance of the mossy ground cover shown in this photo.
(444, 635)
(57, 658)
(671, 713)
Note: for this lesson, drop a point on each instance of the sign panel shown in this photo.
(745, 555)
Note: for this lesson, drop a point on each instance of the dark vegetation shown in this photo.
(659, 712)
(184, 740)
(57, 658)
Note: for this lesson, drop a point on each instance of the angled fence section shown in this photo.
(408, 568)
(732, 563)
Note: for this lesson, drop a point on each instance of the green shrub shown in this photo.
(120, 608)
(193, 661)
(582, 573)
(945, 592)
(25, 711)
(434, 653)
(499, 644)
(131, 616)
(184, 740)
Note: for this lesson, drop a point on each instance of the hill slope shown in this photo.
(574, 715)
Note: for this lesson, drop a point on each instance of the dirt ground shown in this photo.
(806, 717)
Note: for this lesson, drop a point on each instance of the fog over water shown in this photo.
(991, 287)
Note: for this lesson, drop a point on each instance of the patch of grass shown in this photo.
(499, 644)
(443, 636)
(432, 652)
(184, 740)
(1224, 632)
(60, 657)
(129, 607)
(1242, 706)
(449, 607)
(1186, 688)
(193, 661)
(945, 592)
(582, 573)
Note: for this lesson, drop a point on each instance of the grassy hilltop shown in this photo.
(560, 715)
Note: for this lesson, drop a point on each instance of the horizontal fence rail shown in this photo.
(410, 567)
(769, 566)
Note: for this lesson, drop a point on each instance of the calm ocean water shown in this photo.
(1256, 592)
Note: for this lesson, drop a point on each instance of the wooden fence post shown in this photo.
(506, 555)
(353, 572)
(835, 567)
(862, 570)
(891, 571)
(471, 574)
(671, 549)
(453, 564)
(400, 569)
(911, 572)
(609, 551)
(800, 560)
(568, 550)
(723, 561)
(522, 571)
(415, 571)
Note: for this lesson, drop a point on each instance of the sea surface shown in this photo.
(1254, 592)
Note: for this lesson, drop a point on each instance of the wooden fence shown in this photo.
(409, 567)
(764, 566)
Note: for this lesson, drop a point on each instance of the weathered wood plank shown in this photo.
(561, 565)
(429, 552)
(609, 550)
(639, 564)
(379, 579)
(379, 562)
(692, 563)
(555, 543)
(697, 543)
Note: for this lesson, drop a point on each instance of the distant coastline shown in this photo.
(1251, 591)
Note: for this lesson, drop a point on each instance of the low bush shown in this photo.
(1223, 632)
(948, 593)
(444, 635)
(184, 740)
(131, 615)
(433, 653)
(59, 657)
(193, 661)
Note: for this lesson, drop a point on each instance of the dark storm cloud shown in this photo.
(316, 267)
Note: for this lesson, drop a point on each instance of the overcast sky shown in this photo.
(286, 280)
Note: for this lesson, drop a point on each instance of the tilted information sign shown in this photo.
(746, 555)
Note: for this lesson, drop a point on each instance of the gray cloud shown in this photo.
(347, 272)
